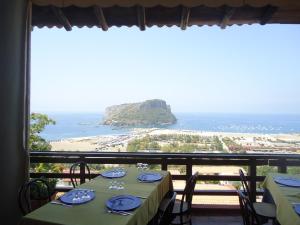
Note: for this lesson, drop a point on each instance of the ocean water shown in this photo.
(69, 125)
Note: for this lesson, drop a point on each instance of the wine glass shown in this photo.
(139, 166)
(112, 184)
(120, 185)
(85, 195)
(114, 172)
(76, 197)
(122, 170)
(119, 171)
(144, 166)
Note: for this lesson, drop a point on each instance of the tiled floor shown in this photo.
(217, 220)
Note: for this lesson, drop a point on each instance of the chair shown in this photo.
(263, 210)
(248, 212)
(182, 210)
(34, 191)
(165, 209)
(78, 165)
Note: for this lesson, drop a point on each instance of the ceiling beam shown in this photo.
(59, 14)
(267, 14)
(185, 16)
(100, 18)
(141, 17)
(226, 17)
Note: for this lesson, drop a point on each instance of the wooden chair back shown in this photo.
(42, 194)
(77, 167)
(165, 211)
(247, 210)
(189, 192)
(244, 183)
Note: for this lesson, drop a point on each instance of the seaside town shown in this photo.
(160, 140)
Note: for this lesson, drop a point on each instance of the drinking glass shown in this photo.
(123, 171)
(139, 166)
(85, 195)
(112, 184)
(114, 172)
(119, 171)
(144, 166)
(120, 185)
(76, 197)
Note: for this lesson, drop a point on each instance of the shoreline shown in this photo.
(177, 131)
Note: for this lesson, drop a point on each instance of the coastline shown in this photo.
(119, 142)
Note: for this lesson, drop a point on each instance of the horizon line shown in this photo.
(175, 112)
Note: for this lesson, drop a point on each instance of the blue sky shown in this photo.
(242, 69)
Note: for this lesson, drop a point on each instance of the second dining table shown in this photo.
(95, 212)
(285, 191)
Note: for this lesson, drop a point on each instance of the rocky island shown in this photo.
(153, 112)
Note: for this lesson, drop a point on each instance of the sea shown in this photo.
(72, 125)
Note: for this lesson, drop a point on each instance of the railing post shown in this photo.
(252, 180)
(189, 168)
(282, 168)
(82, 171)
(164, 165)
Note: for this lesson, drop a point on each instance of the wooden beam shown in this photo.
(59, 14)
(185, 16)
(226, 17)
(100, 18)
(141, 18)
(267, 14)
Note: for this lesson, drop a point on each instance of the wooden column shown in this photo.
(14, 103)
(252, 182)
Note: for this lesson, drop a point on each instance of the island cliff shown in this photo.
(147, 113)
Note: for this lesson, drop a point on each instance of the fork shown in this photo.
(141, 197)
(60, 203)
(123, 213)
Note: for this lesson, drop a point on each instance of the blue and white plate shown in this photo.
(113, 174)
(78, 196)
(123, 202)
(288, 181)
(296, 207)
(149, 177)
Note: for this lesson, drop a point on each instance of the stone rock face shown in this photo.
(147, 113)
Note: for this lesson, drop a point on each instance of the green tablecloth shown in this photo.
(95, 212)
(283, 197)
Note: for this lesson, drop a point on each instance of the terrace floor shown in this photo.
(217, 220)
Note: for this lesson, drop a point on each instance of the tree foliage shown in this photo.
(38, 122)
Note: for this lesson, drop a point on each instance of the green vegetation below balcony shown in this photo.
(175, 143)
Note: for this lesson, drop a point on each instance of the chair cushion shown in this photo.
(176, 209)
(265, 209)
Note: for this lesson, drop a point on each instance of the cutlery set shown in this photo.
(123, 213)
(60, 203)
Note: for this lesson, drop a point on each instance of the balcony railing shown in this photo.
(252, 161)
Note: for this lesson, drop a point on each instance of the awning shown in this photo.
(147, 13)
(166, 3)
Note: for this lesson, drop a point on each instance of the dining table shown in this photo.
(97, 212)
(285, 192)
